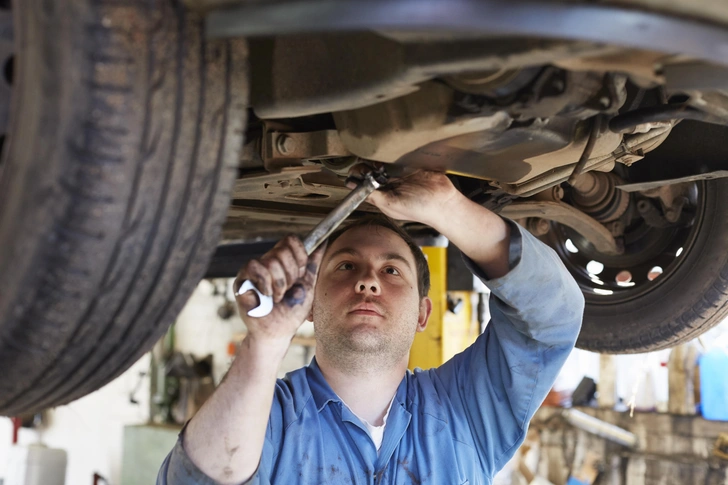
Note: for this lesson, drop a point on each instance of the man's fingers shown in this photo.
(278, 275)
(290, 265)
(260, 276)
(298, 250)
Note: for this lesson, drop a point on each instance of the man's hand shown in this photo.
(430, 198)
(287, 274)
(421, 196)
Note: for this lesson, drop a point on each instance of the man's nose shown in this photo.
(367, 283)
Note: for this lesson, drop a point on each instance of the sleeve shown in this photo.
(498, 383)
(178, 469)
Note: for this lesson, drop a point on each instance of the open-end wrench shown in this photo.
(370, 183)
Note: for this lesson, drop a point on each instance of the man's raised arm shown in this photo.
(225, 439)
(536, 311)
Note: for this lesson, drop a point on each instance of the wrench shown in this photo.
(318, 235)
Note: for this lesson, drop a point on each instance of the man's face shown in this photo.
(366, 299)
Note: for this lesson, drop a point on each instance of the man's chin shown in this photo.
(366, 340)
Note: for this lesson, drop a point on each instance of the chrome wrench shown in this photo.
(370, 183)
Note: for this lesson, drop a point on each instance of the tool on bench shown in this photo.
(371, 182)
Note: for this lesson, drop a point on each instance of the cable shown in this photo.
(591, 141)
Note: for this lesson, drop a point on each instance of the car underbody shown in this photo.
(511, 119)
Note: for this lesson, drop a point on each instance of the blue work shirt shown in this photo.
(455, 424)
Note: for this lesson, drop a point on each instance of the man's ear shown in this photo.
(425, 312)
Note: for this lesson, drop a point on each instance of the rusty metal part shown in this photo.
(631, 149)
(340, 166)
(651, 214)
(281, 149)
(431, 129)
(616, 228)
(596, 194)
(494, 83)
(594, 232)
(673, 198)
(294, 185)
(538, 226)
(387, 131)
(554, 194)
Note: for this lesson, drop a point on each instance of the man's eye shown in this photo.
(392, 271)
(346, 266)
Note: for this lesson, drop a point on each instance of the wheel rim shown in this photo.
(651, 256)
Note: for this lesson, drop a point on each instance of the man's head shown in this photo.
(370, 296)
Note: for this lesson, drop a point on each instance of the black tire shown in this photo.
(126, 128)
(690, 297)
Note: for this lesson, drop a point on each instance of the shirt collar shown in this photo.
(323, 394)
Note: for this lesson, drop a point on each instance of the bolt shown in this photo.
(604, 101)
(558, 192)
(285, 144)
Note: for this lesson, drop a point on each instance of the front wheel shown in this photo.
(124, 140)
(669, 286)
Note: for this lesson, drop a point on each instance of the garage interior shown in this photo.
(610, 419)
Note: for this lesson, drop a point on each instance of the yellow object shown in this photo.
(447, 333)
(460, 329)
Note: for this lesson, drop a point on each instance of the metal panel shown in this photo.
(600, 23)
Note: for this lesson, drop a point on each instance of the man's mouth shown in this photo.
(366, 309)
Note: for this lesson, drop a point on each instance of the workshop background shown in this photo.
(121, 433)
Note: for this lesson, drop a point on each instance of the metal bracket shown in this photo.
(590, 228)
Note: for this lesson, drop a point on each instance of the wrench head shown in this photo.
(265, 303)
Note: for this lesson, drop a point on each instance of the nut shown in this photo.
(285, 144)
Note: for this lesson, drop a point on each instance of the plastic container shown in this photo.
(714, 385)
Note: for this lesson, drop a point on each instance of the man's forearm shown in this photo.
(479, 233)
(225, 438)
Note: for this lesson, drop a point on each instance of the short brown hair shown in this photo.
(423, 271)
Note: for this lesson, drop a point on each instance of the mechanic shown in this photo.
(356, 414)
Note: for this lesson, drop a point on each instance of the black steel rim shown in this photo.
(646, 248)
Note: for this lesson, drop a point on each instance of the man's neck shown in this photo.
(367, 392)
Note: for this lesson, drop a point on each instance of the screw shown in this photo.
(285, 144)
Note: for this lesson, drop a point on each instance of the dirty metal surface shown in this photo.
(609, 24)
(567, 215)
